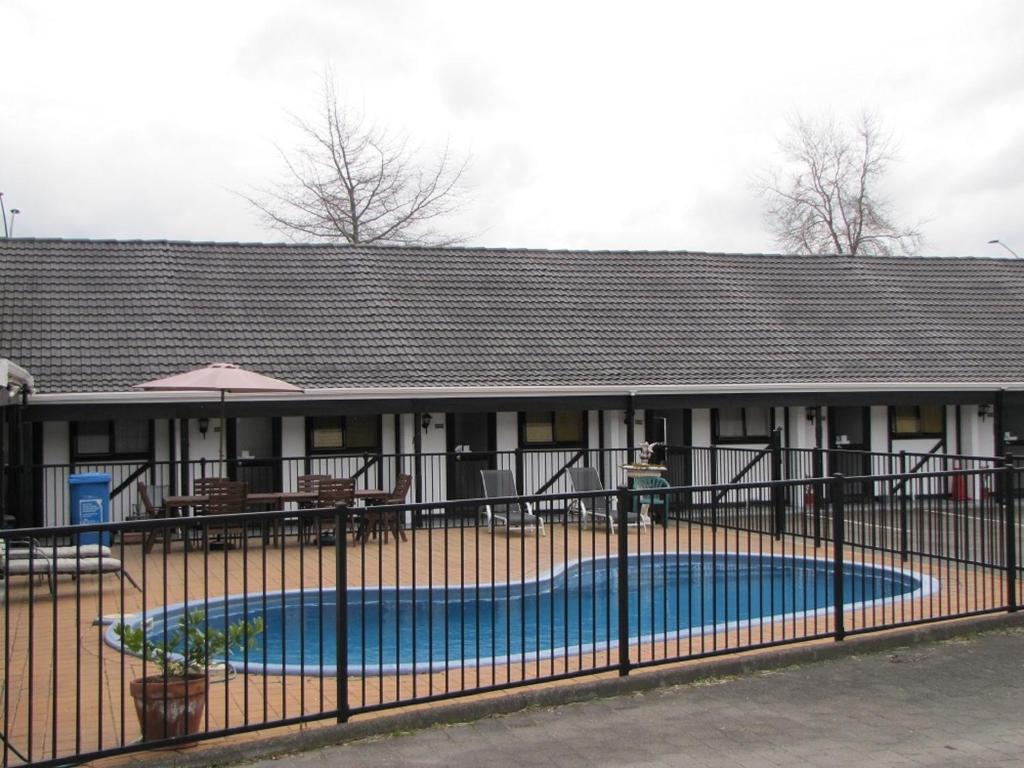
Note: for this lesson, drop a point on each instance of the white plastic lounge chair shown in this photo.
(499, 483)
(586, 480)
(37, 550)
(36, 560)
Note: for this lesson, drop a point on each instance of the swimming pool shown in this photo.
(569, 610)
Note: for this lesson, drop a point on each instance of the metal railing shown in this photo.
(443, 477)
(360, 613)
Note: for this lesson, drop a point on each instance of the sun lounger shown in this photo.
(36, 560)
(587, 480)
(500, 483)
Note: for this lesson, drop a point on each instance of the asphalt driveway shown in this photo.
(951, 703)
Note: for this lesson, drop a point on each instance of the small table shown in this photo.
(184, 502)
(643, 470)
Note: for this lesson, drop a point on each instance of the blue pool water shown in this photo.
(574, 608)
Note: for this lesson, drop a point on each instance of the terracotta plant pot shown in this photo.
(169, 707)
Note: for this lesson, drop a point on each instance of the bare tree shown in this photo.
(353, 182)
(828, 201)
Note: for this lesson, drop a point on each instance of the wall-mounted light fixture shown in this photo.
(985, 411)
(204, 426)
(425, 420)
(812, 414)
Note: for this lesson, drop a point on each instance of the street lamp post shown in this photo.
(4, 212)
(14, 212)
(1004, 245)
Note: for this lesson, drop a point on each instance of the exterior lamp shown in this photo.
(425, 420)
(204, 426)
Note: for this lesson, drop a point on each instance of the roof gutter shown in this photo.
(470, 392)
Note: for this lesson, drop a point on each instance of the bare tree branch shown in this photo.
(355, 183)
(829, 201)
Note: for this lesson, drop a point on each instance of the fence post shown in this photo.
(904, 533)
(818, 471)
(623, 503)
(778, 490)
(341, 515)
(713, 470)
(1010, 492)
(838, 497)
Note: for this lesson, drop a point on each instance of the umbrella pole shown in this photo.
(223, 429)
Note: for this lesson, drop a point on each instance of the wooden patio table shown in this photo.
(263, 498)
(280, 498)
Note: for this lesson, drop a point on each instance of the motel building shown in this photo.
(441, 362)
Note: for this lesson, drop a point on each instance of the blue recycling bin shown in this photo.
(90, 503)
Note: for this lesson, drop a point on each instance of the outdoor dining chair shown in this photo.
(330, 493)
(309, 484)
(226, 497)
(385, 522)
(153, 512)
(499, 483)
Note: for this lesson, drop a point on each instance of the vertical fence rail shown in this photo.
(838, 498)
(623, 503)
(1010, 505)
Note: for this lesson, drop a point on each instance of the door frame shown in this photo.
(454, 459)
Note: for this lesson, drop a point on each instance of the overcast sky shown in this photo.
(621, 125)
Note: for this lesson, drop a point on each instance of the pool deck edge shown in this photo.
(477, 707)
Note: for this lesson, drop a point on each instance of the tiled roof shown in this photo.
(86, 316)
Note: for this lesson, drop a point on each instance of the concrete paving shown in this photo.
(952, 703)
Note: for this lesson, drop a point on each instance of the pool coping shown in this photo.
(476, 707)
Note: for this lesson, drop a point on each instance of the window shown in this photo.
(742, 425)
(333, 434)
(918, 420)
(125, 438)
(541, 428)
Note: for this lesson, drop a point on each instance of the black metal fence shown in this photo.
(443, 477)
(341, 612)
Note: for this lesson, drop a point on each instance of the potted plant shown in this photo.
(171, 702)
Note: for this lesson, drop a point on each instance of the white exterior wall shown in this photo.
(293, 446)
(507, 423)
(208, 447)
(435, 441)
(56, 450)
(801, 428)
(880, 428)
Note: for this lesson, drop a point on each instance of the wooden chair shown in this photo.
(152, 512)
(310, 484)
(331, 492)
(227, 497)
(391, 521)
(202, 486)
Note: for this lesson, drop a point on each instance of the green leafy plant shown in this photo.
(187, 650)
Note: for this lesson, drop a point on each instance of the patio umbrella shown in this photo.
(219, 377)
